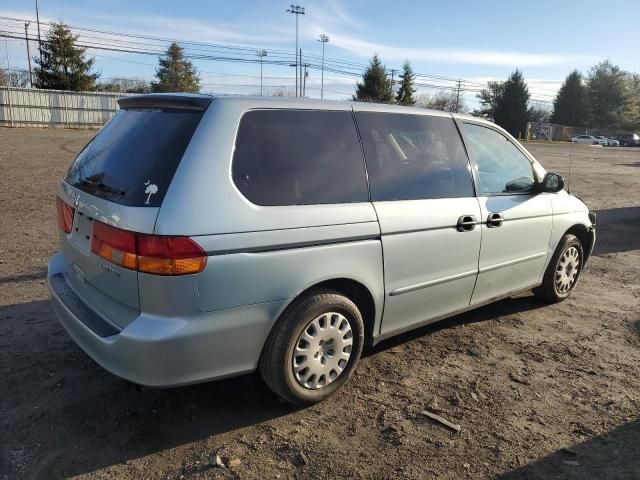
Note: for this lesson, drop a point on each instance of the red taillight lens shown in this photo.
(169, 255)
(117, 246)
(65, 216)
(160, 255)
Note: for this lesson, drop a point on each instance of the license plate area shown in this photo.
(81, 232)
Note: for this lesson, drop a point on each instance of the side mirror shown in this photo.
(551, 183)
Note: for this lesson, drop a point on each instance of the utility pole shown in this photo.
(300, 64)
(261, 54)
(493, 103)
(323, 39)
(458, 97)
(304, 80)
(296, 10)
(39, 38)
(26, 37)
(393, 71)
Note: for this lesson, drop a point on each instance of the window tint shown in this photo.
(501, 166)
(133, 158)
(299, 157)
(414, 157)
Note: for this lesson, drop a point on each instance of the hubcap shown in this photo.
(322, 350)
(567, 270)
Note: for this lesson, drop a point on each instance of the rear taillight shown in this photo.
(156, 254)
(117, 246)
(65, 216)
(169, 255)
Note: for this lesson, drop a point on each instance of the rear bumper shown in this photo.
(161, 351)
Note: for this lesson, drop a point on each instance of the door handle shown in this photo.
(494, 220)
(466, 223)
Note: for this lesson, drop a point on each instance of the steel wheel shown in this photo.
(322, 350)
(567, 270)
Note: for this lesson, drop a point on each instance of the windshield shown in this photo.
(133, 158)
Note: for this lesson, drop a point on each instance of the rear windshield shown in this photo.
(133, 158)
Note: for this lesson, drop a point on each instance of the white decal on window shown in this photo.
(151, 189)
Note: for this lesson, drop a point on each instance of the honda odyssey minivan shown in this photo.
(204, 237)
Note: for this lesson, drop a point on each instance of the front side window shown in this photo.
(299, 157)
(502, 167)
(411, 157)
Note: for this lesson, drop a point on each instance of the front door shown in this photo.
(422, 191)
(516, 222)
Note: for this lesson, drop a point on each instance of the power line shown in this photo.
(148, 45)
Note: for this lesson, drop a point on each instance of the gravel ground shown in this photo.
(539, 391)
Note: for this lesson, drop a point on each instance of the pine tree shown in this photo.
(512, 112)
(175, 73)
(571, 105)
(609, 98)
(488, 98)
(406, 90)
(64, 65)
(375, 86)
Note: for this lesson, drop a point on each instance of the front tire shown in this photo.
(313, 348)
(563, 271)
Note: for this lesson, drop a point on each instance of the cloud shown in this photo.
(474, 57)
(195, 30)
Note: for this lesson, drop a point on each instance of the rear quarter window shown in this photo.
(299, 157)
(133, 158)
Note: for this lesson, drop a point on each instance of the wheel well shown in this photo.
(358, 294)
(583, 235)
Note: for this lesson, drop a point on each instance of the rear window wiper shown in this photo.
(98, 185)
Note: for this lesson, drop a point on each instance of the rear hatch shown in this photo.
(113, 192)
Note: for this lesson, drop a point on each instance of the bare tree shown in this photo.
(281, 92)
(19, 78)
(125, 85)
(445, 101)
(539, 114)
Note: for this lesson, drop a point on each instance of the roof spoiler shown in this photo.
(162, 100)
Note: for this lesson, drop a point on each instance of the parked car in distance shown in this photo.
(204, 237)
(628, 139)
(585, 139)
(613, 142)
(602, 140)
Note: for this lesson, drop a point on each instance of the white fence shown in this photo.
(25, 107)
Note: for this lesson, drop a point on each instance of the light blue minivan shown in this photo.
(204, 237)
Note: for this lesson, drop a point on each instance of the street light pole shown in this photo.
(26, 37)
(323, 39)
(297, 10)
(261, 54)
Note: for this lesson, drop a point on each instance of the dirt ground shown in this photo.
(539, 391)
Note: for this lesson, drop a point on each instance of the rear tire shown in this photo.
(563, 271)
(313, 348)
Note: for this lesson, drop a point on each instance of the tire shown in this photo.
(318, 309)
(563, 272)
(625, 144)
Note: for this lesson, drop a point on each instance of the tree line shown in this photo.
(63, 65)
(606, 97)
